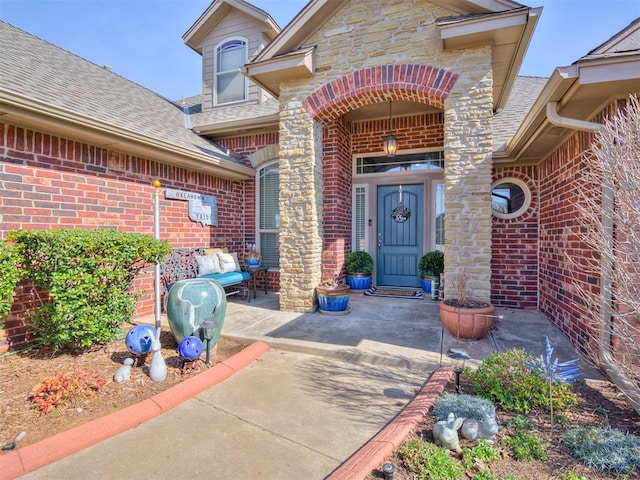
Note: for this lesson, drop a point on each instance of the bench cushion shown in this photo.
(228, 278)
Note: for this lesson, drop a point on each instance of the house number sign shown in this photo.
(202, 208)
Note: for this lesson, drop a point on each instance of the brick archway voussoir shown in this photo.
(406, 82)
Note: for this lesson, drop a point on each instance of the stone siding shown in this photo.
(353, 46)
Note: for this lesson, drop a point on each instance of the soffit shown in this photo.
(466, 7)
(509, 32)
(216, 12)
(581, 91)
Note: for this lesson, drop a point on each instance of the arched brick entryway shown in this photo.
(406, 82)
(328, 105)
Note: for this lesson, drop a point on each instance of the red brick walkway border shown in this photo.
(32, 457)
(373, 453)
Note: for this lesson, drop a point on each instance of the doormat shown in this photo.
(383, 292)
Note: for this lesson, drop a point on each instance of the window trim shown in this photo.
(527, 197)
(364, 186)
(258, 230)
(216, 73)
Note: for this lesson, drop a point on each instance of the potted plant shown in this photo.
(430, 266)
(252, 257)
(333, 297)
(359, 266)
(464, 317)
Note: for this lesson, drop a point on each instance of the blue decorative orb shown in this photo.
(190, 348)
(139, 339)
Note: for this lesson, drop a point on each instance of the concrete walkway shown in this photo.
(327, 385)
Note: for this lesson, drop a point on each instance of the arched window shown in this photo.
(268, 208)
(230, 83)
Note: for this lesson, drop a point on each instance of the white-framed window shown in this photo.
(510, 197)
(438, 223)
(230, 83)
(268, 218)
(360, 240)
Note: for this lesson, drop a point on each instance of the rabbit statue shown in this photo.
(123, 374)
(157, 369)
(486, 429)
(445, 432)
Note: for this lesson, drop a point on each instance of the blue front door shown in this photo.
(399, 244)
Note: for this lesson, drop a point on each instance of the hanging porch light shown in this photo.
(390, 144)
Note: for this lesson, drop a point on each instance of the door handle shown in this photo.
(379, 240)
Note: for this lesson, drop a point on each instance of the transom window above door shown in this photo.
(407, 162)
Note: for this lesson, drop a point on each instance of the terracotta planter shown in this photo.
(333, 299)
(467, 323)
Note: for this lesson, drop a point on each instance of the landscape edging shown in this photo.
(37, 455)
(372, 454)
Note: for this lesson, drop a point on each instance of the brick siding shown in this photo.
(52, 182)
(514, 249)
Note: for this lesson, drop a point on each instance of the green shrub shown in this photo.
(525, 446)
(463, 405)
(604, 448)
(431, 264)
(359, 261)
(482, 452)
(9, 277)
(88, 275)
(429, 461)
(504, 379)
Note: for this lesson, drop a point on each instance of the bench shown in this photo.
(182, 265)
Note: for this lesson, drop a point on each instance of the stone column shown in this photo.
(468, 165)
(301, 182)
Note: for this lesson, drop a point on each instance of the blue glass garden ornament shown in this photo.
(190, 348)
(139, 339)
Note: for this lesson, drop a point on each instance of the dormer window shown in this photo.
(231, 84)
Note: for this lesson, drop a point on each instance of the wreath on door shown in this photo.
(400, 214)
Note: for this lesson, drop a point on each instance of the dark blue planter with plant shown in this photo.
(430, 266)
(359, 266)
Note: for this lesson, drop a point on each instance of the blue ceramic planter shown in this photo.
(426, 284)
(333, 299)
(359, 281)
(333, 304)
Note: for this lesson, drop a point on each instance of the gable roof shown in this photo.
(44, 86)
(216, 12)
(577, 92)
(505, 24)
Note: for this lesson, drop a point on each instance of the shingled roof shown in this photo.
(523, 94)
(34, 69)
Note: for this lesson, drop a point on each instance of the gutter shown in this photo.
(571, 123)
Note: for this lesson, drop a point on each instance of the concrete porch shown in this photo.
(385, 331)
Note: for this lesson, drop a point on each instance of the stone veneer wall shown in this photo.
(361, 36)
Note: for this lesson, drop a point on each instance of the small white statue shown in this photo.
(445, 432)
(157, 369)
(123, 374)
(486, 429)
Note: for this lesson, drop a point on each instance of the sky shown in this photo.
(142, 39)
